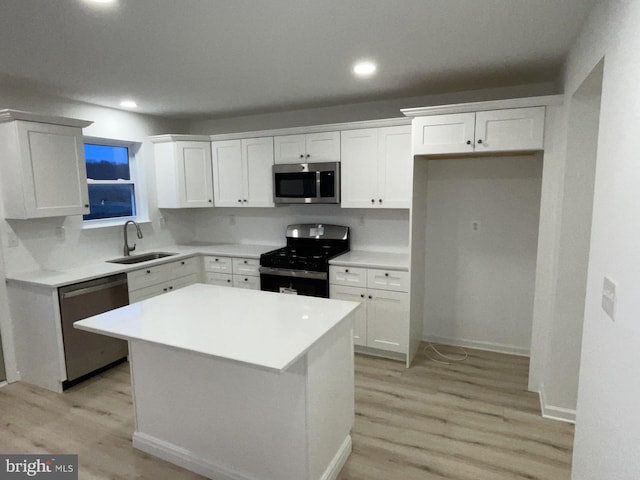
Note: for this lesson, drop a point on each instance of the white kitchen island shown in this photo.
(237, 384)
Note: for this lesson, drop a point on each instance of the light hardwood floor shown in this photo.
(473, 420)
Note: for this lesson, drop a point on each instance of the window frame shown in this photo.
(135, 179)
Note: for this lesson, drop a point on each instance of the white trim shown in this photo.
(112, 222)
(184, 458)
(3, 384)
(7, 115)
(480, 106)
(179, 138)
(338, 461)
(560, 414)
(488, 346)
(387, 122)
(189, 460)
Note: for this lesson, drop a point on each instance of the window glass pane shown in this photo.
(109, 201)
(105, 162)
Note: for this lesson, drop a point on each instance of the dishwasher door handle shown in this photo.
(95, 288)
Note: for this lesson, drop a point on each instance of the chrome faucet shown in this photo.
(127, 248)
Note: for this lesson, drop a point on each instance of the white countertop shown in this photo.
(366, 259)
(59, 278)
(263, 329)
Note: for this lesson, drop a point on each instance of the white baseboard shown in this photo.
(3, 384)
(186, 459)
(338, 461)
(183, 458)
(491, 347)
(555, 413)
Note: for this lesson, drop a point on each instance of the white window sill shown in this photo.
(115, 222)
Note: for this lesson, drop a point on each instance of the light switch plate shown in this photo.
(609, 297)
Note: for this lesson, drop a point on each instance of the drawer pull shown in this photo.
(362, 295)
(170, 288)
(386, 274)
(228, 281)
(216, 260)
(370, 297)
(245, 262)
(148, 271)
(346, 270)
(246, 279)
(164, 289)
(181, 263)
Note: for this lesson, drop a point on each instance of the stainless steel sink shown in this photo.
(141, 258)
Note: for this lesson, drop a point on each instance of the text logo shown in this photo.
(50, 467)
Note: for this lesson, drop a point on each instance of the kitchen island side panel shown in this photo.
(220, 418)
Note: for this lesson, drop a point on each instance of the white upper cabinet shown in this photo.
(307, 148)
(43, 166)
(183, 173)
(242, 172)
(376, 167)
(513, 129)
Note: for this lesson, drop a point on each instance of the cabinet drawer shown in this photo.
(349, 276)
(242, 281)
(147, 276)
(246, 266)
(217, 264)
(388, 280)
(141, 294)
(222, 279)
(183, 281)
(183, 268)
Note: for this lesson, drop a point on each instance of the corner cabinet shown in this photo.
(376, 167)
(513, 129)
(183, 171)
(42, 165)
(242, 172)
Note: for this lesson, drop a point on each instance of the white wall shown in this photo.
(378, 230)
(479, 284)
(361, 111)
(607, 439)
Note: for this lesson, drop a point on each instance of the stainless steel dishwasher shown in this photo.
(88, 353)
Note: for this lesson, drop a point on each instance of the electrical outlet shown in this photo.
(12, 239)
(609, 297)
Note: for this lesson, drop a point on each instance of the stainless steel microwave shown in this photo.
(306, 183)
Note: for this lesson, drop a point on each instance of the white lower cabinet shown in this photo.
(232, 272)
(382, 322)
(158, 279)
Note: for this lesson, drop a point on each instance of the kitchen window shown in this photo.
(111, 177)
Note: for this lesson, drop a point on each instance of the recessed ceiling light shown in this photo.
(128, 104)
(364, 68)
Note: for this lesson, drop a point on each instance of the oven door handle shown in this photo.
(285, 272)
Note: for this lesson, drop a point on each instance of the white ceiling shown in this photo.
(188, 58)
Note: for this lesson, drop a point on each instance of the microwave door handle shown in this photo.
(318, 184)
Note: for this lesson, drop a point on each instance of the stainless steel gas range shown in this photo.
(302, 267)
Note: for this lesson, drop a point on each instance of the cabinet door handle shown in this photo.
(181, 263)
(346, 270)
(228, 281)
(210, 201)
(380, 200)
(468, 142)
(215, 260)
(239, 201)
(86, 206)
(148, 271)
(480, 141)
(373, 200)
(245, 200)
(246, 279)
(362, 295)
(301, 155)
(245, 262)
(386, 274)
(308, 155)
(164, 289)
(170, 288)
(370, 297)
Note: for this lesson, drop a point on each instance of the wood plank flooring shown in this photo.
(468, 421)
